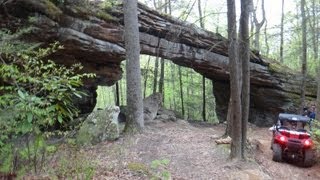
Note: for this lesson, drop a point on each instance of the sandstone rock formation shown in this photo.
(99, 126)
(94, 37)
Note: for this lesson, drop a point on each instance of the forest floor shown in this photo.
(184, 150)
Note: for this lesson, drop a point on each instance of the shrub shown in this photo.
(35, 93)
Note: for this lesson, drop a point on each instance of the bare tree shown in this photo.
(244, 55)
(135, 119)
(258, 25)
(304, 53)
(234, 82)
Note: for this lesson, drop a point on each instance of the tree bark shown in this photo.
(234, 83)
(281, 32)
(229, 119)
(161, 80)
(134, 95)
(203, 78)
(173, 85)
(155, 75)
(117, 95)
(146, 78)
(244, 54)
(181, 91)
(315, 42)
(258, 26)
(304, 54)
(266, 38)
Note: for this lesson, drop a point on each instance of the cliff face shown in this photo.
(94, 37)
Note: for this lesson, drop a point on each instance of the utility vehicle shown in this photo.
(291, 141)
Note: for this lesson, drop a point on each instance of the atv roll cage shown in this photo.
(292, 122)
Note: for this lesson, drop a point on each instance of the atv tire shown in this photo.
(277, 153)
(308, 160)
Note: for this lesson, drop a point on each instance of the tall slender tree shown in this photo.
(135, 119)
(304, 53)
(173, 70)
(146, 74)
(266, 38)
(181, 91)
(203, 77)
(117, 95)
(258, 25)
(281, 32)
(155, 75)
(315, 42)
(161, 80)
(234, 82)
(244, 55)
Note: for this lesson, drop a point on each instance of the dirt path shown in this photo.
(281, 170)
(192, 153)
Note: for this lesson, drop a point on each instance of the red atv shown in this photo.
(291, 141)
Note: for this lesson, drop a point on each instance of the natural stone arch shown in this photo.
(97, 42)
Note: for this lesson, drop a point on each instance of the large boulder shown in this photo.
(151, 105)
(99, 126)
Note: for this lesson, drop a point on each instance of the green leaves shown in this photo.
(35, 92)
(21, 94)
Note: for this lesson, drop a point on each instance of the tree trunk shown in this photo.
(281, 32)
(117, 95)
(315, 43)
(304, 54)
(121, 92)
(266, 38)
(234, 83)
(173, 85)
(161, 80)
(203, 78)
(146, 78)
(229, 119)
(258, 26)
(155, 77)
(134, 117)
(181, 91)
(244, 55)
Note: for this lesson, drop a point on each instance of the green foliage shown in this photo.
(316, 133)
(192, 90)
(140, 168)
(73, 164)
(35, 94)
(109, 4)
(157, 169)
(160, 167)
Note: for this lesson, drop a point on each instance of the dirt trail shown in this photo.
(280, 170)
(192, 154)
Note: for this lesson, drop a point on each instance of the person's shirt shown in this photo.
(312, 115)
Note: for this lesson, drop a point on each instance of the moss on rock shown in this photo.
(99, 126)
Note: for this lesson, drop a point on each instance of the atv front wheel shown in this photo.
(277, 153)
(308, 158)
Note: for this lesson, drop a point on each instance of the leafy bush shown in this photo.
(316, 133)
(35, 93)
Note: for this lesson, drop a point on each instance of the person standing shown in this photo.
(312, 115)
